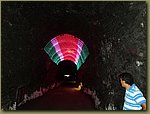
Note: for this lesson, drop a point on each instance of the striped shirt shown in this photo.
(133, 98)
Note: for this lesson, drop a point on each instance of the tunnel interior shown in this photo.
(69, 53)
(68, 70)
(115, 34)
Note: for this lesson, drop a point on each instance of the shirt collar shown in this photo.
(133, 85)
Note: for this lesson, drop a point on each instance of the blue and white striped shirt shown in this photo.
(133, 98)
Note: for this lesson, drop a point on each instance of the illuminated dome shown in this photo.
(67, 47)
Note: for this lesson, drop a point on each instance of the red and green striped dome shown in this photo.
(67, 47)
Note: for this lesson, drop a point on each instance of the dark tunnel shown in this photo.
(115, 34)
(68, 70)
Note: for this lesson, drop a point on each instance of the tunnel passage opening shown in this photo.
(68, 71)
(67, 47)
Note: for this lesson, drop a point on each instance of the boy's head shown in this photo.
(126, 78)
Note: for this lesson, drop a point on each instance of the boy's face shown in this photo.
(122, 83)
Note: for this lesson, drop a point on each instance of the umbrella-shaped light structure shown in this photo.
(67, 47)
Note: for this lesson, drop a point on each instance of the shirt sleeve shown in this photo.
(139, 98)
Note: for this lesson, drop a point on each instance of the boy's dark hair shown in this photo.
(127, 77)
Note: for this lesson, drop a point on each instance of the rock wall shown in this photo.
(24, 62)
(122, 48)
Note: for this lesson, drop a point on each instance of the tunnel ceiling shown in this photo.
(67, 47)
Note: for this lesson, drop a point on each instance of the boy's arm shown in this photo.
(143, 106)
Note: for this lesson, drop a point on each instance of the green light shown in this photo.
(50, 50)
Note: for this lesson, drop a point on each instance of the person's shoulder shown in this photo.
(134, 88)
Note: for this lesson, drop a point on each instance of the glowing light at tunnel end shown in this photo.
(67, 47)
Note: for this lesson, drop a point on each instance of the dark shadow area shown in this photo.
(67, 70)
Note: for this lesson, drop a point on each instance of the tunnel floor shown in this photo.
(64, 97)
